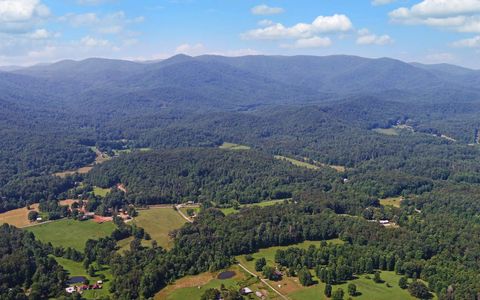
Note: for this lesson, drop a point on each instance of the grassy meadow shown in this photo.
(392, 201)
(71, 233)
(157, 222)
(231, 146)
(98, 191)
(231, 210)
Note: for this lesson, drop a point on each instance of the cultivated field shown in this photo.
(231, 146)
(71, 233)
(17, 217)
(76, 269)
(157, 222)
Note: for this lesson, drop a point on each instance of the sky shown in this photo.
(427, 31)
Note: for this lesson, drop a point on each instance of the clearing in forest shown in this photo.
(310, 166)
(232, 146)
(387, 131)
(392, 201)
(70, 233)
(98, 191)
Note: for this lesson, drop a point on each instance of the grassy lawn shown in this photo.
(192, 287)
(393, 201)
(157, 222)
(76, 269)
(231, 210)
(387, 131)
(71, 233)
(231, 146)
(100, 191)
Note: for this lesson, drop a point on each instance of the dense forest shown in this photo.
(201, 174)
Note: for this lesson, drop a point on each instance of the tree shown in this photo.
(403, 282)
(190, 212)
(328, 290)
(260, 263)
(377, 278)
(91, 271)
(211, 294)
(32, 215)
(270, 273)
(352, 289)
(419, 289)
(305, 277)
(338, 295)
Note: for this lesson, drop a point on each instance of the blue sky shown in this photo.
(430, 31)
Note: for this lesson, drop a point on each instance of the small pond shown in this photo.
(226, 275)
(76, 279)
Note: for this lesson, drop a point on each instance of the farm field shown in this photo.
(71, 233)
(157, 222)
(231, 146)
(393, 201)
(192, 287)
(76, 269)
(17, 217)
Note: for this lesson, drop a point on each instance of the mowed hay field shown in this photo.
(157, 222)
(18, 217)
(71, 233)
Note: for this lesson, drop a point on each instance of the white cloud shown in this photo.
(191, 49)
(382, 2)
(266, 10)
(93, 2)
(41, 34)
(459, 15)
(468, 43)
(89, 41)
(313, 42)
(365, 37)
(265, 23)
(322, 24)
(20, 16)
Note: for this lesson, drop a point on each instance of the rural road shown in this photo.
(264, 281)
(182, 214)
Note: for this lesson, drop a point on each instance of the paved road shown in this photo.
(264, 281)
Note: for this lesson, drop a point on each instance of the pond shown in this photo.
(76, 279)
(226, 275)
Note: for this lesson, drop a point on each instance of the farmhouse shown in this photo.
(245, 291)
